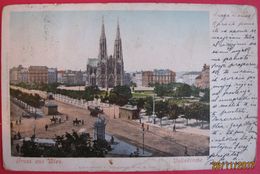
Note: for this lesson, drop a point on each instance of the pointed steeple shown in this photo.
(102, 57)
(118, 58)
(103, 35)
(118, 30)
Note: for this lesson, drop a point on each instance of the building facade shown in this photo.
(107, 71)
(38, 74)
(60, 75)
(52, 75)
(128, 112)
(202, 81)
(189, 78)
(162, 76)
(18, 74)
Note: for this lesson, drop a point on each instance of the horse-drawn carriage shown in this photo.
(95, 110)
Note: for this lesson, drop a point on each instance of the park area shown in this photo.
(131, 138)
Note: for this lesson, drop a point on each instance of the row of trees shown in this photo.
(70, 145)
(172, 110)
(119, 95)
(31, 99)
(180, 90)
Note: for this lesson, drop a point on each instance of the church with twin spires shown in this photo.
(106, 71)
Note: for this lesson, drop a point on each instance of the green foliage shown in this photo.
(205, 98)
(30, 99)
(198, 111)
(120, 95)
(161, 108)
(162, 89)
(88, 94)
(70, 145)
(173, 110)
(183, 91)
(148, 105)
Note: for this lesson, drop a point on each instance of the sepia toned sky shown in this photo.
(178, 40)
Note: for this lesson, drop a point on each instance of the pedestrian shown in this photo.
(174, 129)
(186, 151)
(46, 127)
(19, 135)
(20, 120)
(16, 122)
(82, 122)
(142, 125)
(17, 148)
(60, 120)
(67, 117)
(112, 140)
(147, 127)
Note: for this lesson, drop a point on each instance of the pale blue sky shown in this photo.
(178, 40)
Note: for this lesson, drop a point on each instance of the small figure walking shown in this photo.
(20, 120)
(60, 120)
(174, 129)
(16, 122)
(19, 135)
(17, 148)
(46, 127)
(82, 121)
(147, 127)
(186, 151)
(67, 117)
(112, 140)
(142, 125)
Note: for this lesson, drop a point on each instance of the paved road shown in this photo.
(160, 141)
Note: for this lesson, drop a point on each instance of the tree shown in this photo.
(205, 98)
(174, 110)
(198, 111)
(120, 95)
(161, 110)
(162, 89)
(148, 105)
(183, 91)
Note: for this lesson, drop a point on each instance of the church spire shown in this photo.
(102, 57)
(103, 35)
(118, 58)
(118, 30)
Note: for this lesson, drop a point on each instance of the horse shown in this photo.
(76, 122)
(53, 120)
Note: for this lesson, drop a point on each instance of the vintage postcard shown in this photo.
(129, 87)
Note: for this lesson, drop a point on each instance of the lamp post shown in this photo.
(143, 139)
(153, 109)
(114, 111)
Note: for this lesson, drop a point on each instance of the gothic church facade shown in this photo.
(108, 71)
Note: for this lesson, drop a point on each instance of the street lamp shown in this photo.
(34, 130)
(114, 111)
(153, 116)
(143, 139)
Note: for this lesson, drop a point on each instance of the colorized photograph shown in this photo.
(109, 83)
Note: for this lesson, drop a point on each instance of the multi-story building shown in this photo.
(189, 77)
(92, 72)
(18, 74)
(137, 78)
(202, 81)
(110, 69)
(52, 75)
(73, 78)
(161, 76)
(60, 75)
(38, 74)
(79, 78)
